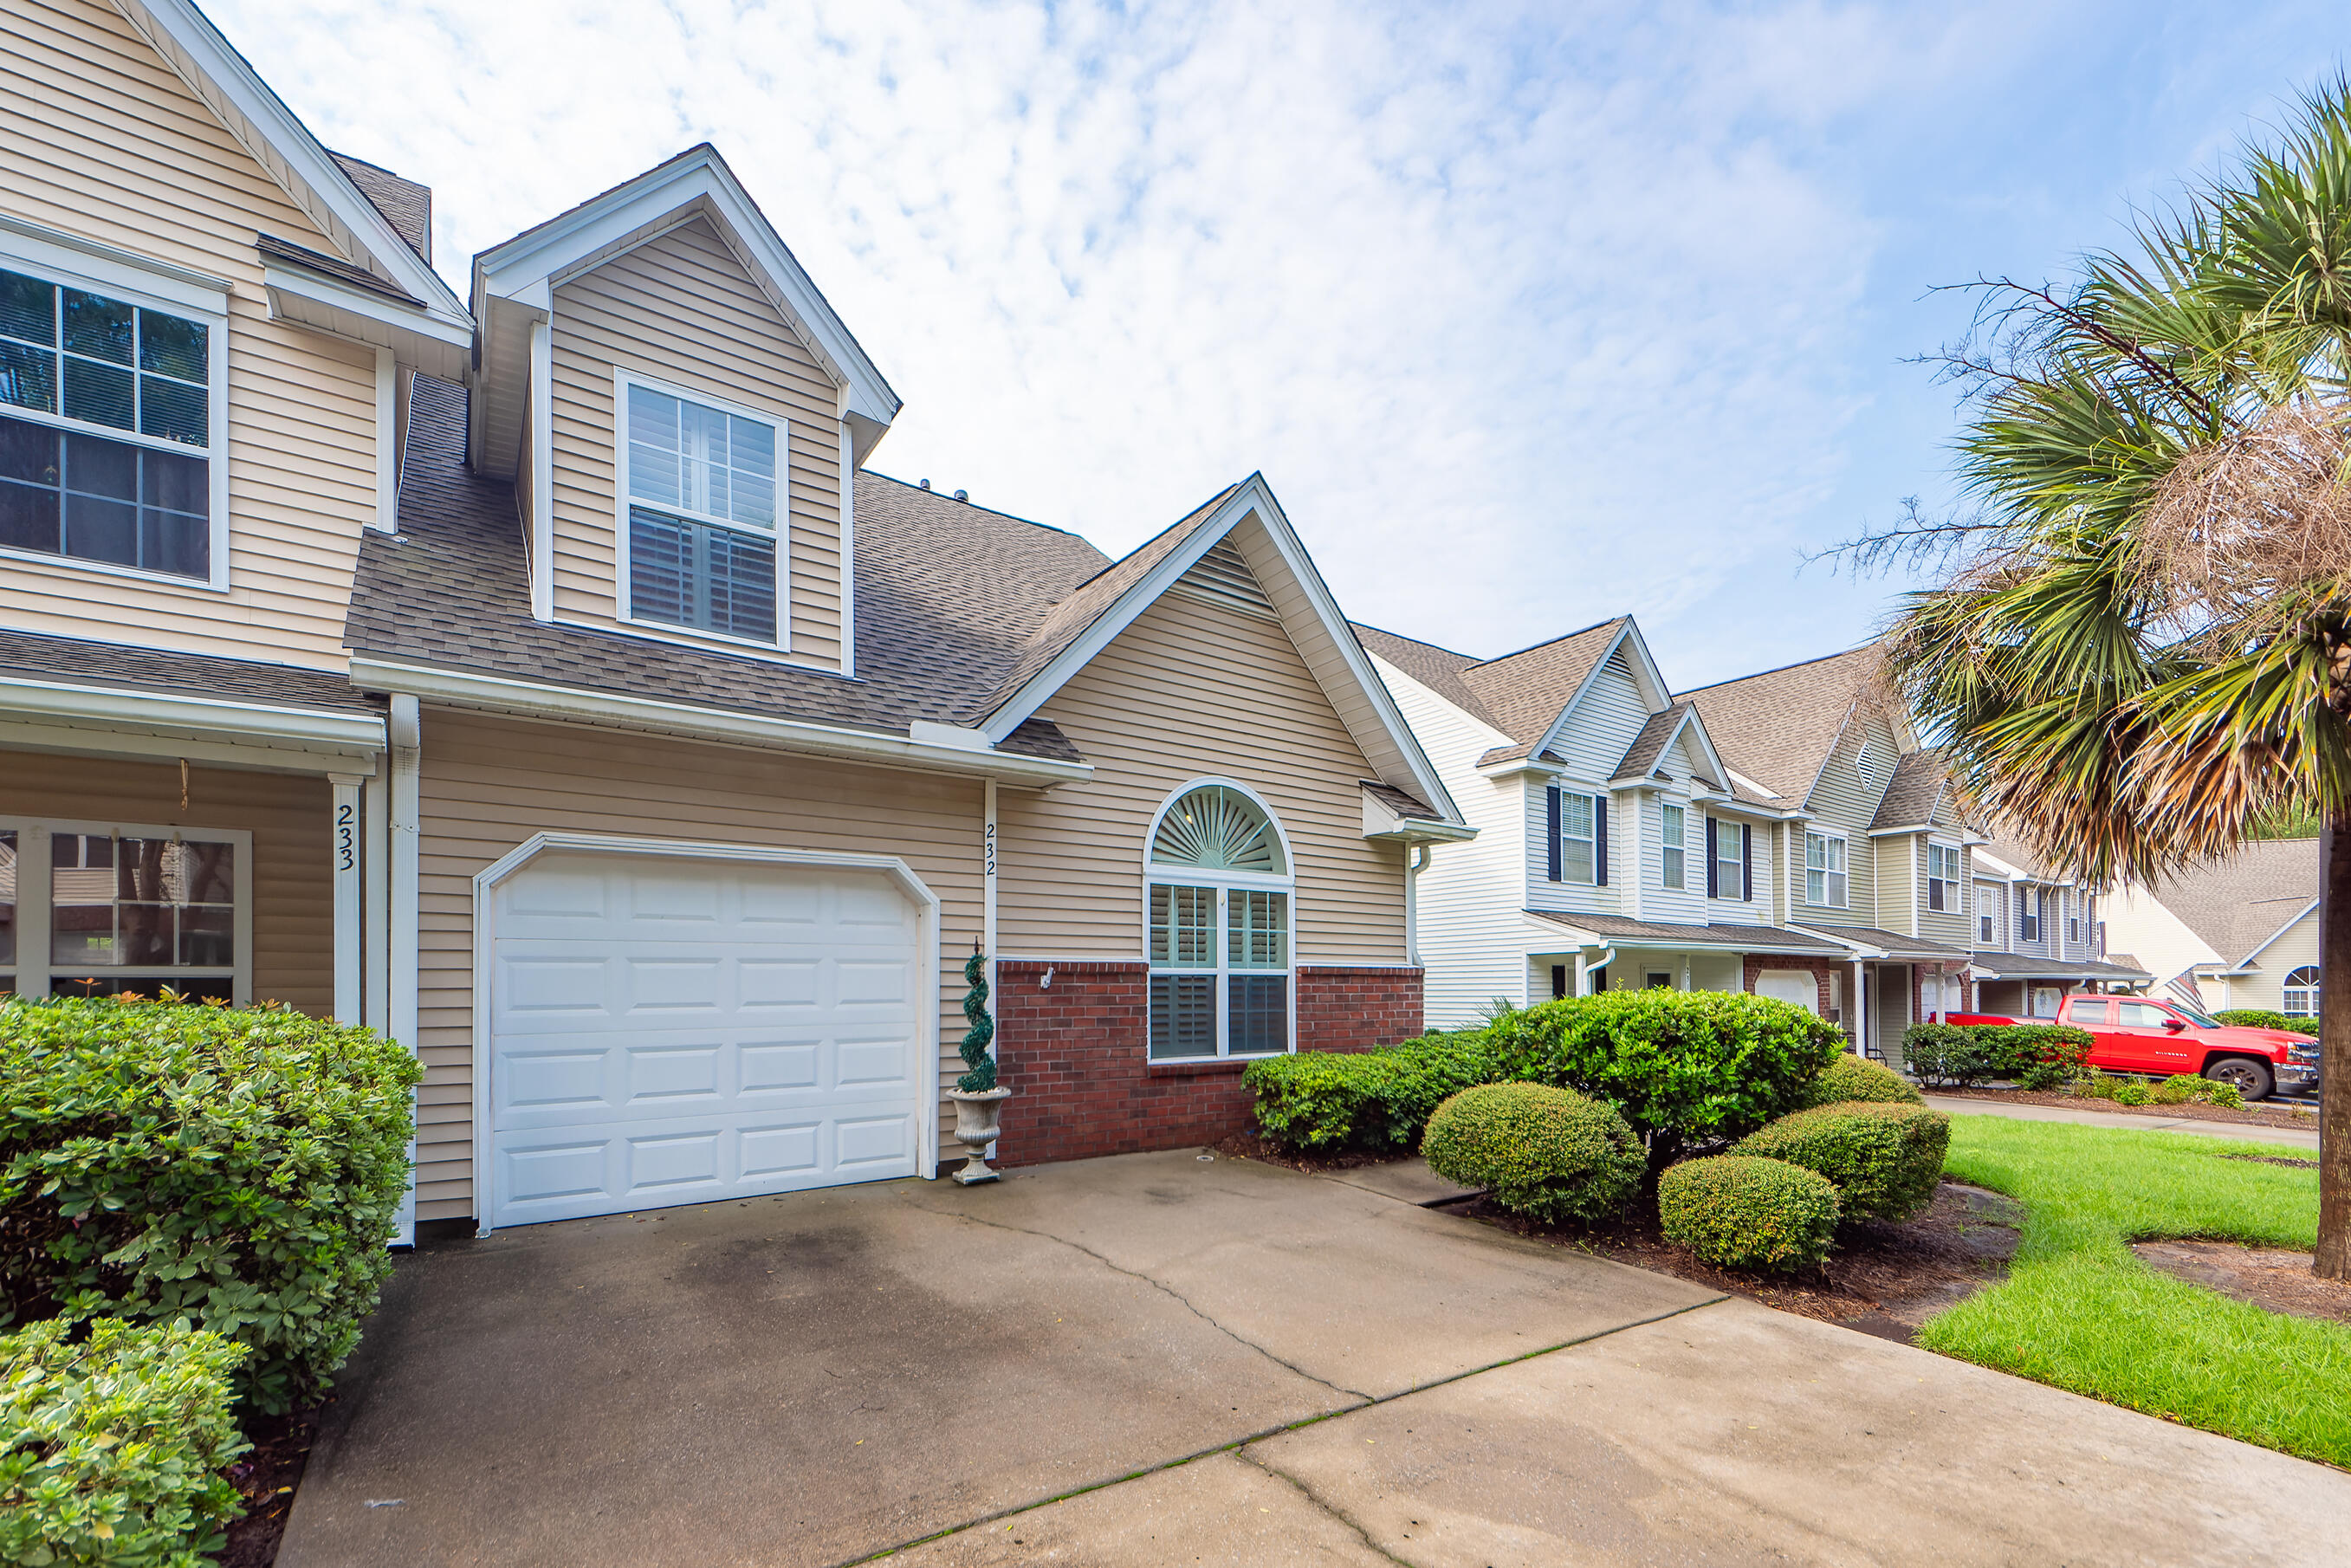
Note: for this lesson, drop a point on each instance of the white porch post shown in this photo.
(407, 743)
(345, 846)
(375, 886)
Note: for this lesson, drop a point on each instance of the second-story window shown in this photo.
(1578, 861)
(1825, 874)
(1729, 872)
(1984, 936)
(1943, 878)
(107, 433)
(2031, 904)
(702, 516)
(1673, 828)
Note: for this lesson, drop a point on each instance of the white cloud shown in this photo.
(1530, 316)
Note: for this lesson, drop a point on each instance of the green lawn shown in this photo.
(2081, 1311)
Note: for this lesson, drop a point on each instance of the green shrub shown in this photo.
(242, 1168)
(1851, 1077)
(1548, 1154)
(1886, 1159)
(2179, 1089)
(1316, 1100)
(2132, 1092)
(1683, 1067)
(111, 1450)
(1942, 1055)
(2263, 1018)
(2227, 1095)
(1741, 1211)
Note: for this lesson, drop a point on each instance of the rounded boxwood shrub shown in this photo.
(1548, 1154)
(1319, 1100)
(2265, 1018)
(242, 1168)
(1741, 1211)
(1886, 1159)
(1683, 1067)
(112, 1448)
(1851, 1077)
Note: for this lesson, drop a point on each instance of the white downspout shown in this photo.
(1586, 969)
(407, 746)
(1422, 854)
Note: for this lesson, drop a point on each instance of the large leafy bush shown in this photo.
(1886, 1159)
(1943, 1055)
(242, 1168)
(1683, 1067)
(1548, 1154)
(1741, 1211)
(1851, 1077)
(2037, 1055)
(1318, 1100)
(112, 1449)
(2265, 1018)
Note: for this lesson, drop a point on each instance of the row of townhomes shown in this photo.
(540, 675)
(1785, 834)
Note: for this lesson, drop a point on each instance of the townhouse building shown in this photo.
(2238, 932)
(542, 676)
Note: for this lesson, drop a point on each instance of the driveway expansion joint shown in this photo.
(1362, 1533)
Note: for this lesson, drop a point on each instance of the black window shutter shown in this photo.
(1713, 873)
(1600, 839)
(1747, 862)
(1559, 979)
(1550, 799)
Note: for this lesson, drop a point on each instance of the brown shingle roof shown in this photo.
(1438, 669)
(2237, 904)
(1526, 690)
(1778, 727)
(272, 248)
(1641, 757)
(406, 205)
(1912, 792)
(75, 661)
(1754, 938)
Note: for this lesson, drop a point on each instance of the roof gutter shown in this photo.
(568, 704)
(359, 734)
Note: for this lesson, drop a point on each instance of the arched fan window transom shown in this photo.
(1217, 829)
(2302, 993)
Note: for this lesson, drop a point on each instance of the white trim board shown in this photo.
(927, 1065)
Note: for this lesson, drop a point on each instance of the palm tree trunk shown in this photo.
(2333, 1255)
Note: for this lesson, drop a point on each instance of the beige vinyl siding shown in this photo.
(490, 783)
(1901, 871)
(1192, 690)
(681, 309)
(106, 142)
(1471, 930)
(287, 815)
(2266, 986)
(1956, 927)
(1843, 802)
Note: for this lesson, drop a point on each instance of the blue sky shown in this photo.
(1532, 315)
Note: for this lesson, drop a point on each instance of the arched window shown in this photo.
(2302, 993)
(1217, 915)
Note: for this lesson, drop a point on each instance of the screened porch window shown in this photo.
(1219, 935)
(701, 535)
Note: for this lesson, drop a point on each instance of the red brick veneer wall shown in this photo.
(1073, 1056)
(1753, 966)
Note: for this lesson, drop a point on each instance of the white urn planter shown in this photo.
(978, 1115)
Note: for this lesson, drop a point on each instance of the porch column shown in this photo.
(375, 886)
(406, 751)
(345, 847)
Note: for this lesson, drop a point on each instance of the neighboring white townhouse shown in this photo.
(2238, 932)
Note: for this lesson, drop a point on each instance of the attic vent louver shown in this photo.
(1222, 577)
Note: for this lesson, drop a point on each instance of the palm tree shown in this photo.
(2141, 647)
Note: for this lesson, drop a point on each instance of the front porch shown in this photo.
(1583, 954)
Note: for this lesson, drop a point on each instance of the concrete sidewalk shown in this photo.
(2142, 1122)
(1201, 1360)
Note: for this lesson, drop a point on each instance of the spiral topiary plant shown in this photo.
(974, 1049)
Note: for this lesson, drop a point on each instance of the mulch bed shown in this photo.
(2276, 1278)
(2255, 1116)
(1250, 1146)
(267, 1478)
(1885, 1279)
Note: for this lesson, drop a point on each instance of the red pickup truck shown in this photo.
(2140, 1034)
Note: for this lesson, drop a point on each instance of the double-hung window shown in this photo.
(1729, 873)
(1943, 877)
(1671, 833)
(1578, 857)
(701, 508)
(1825, 874)
(2031, 904)
(109, 431)
(1218, 929)
(2073, 902)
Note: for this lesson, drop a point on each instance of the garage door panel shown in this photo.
(674, 1033)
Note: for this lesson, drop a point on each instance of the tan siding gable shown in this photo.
(1194, 689)
(1843, 802)
(106, 142)
(681, 309)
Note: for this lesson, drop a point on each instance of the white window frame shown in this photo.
(1842, 869)
(2301, 1002)
(1954, 902)
(1729, 855)
(125, 277)
(1225, 884)
(1590, 877)
(2033, 907)
(1673, 845)
(35, 969)
(623, 378)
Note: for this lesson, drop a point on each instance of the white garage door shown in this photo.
(669, 1030)
(1795, 985)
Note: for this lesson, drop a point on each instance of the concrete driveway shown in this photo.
(1150, 1340)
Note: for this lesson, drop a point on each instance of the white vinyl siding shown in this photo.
(1673, 828)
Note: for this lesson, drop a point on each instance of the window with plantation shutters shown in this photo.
(704, 506)
(1218, 929)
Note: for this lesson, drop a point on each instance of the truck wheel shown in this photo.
(2250, 1078)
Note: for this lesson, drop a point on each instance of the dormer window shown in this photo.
(699, 530)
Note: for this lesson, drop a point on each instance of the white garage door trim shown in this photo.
(485, 885)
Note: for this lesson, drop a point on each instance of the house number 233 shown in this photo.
(346, 839)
